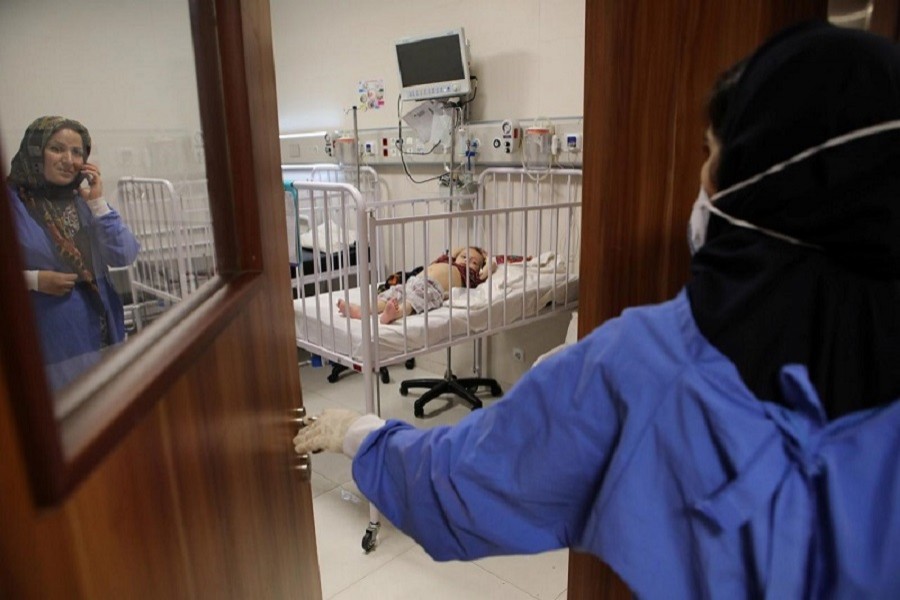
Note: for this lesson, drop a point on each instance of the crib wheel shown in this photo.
(370, 539)
(385, 375)
(410, 363)
(496, 390)
(336, 371)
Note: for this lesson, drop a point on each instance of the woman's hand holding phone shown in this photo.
(91, 174)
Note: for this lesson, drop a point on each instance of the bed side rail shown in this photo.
(173, 225)
(333, 247)
(530, 228)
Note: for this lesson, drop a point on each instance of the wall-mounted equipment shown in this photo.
(538, 149)
(508, 140)
(346, 149)
(434, 66)
(492, 143)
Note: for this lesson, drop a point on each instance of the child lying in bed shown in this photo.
(429, 288)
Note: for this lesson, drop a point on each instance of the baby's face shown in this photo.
(472, 258)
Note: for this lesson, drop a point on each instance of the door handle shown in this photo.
(301, 463)
(297, 415)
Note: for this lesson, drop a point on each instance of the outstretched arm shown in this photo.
(518, 477)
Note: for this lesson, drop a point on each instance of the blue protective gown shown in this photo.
(641, 445)
(68, 325)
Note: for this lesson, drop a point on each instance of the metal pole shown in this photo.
(356, 139)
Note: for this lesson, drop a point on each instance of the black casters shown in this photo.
(370, 539)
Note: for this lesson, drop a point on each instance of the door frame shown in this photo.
(242, 157)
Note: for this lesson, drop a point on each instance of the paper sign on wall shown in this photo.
(371, 94)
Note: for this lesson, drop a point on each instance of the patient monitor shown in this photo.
(434, 66)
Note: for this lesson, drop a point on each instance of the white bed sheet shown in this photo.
(501, 300)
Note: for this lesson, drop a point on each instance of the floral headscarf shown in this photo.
(27, 169)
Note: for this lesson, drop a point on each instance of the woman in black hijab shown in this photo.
(831, 303)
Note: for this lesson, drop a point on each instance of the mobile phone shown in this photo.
(79, 177)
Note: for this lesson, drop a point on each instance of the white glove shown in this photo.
(335, 430)
(325, 432)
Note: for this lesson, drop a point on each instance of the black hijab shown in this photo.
(766, 303)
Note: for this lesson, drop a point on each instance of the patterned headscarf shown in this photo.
(27, 169)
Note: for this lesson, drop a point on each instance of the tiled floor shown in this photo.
(398, 569)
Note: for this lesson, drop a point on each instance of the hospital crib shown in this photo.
(317, 235)
(173, 225)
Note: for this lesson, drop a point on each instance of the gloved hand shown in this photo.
(325, 431)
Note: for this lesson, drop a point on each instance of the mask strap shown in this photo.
(835, 141)
(748, 225)
(831, 143)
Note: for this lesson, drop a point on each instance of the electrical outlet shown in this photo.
(518, 355)
(573, 142)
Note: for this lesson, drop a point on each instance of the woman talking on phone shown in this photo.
(69, 238)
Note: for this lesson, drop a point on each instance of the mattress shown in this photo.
(513, 292)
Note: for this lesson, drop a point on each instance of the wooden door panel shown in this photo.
(886, 18)
(648, 69)
(196, 497)
(198, 501)
(126, 540)
(248, 512)
(37, 550)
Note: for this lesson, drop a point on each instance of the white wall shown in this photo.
(123, 68)
(528, 56)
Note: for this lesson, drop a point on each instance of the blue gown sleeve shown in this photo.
(518, 477)
(118, 246)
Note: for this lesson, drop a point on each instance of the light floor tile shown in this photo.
(321, 484)
(316, 402)
(398, 568)
(340, 525)
(543, 576)
(414, 576)
(332, 466)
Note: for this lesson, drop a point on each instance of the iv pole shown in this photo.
(464, 387)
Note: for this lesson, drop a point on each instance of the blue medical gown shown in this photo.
(641, 445)
(68, 325)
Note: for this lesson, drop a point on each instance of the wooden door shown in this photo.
(648, 68)
(191, 491)
(886, 18)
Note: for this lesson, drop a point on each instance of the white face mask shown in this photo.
(704, 205)
(699, 222)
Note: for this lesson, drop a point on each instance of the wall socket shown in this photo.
(518, 355)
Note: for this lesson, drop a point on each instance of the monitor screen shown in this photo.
(433, 66)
